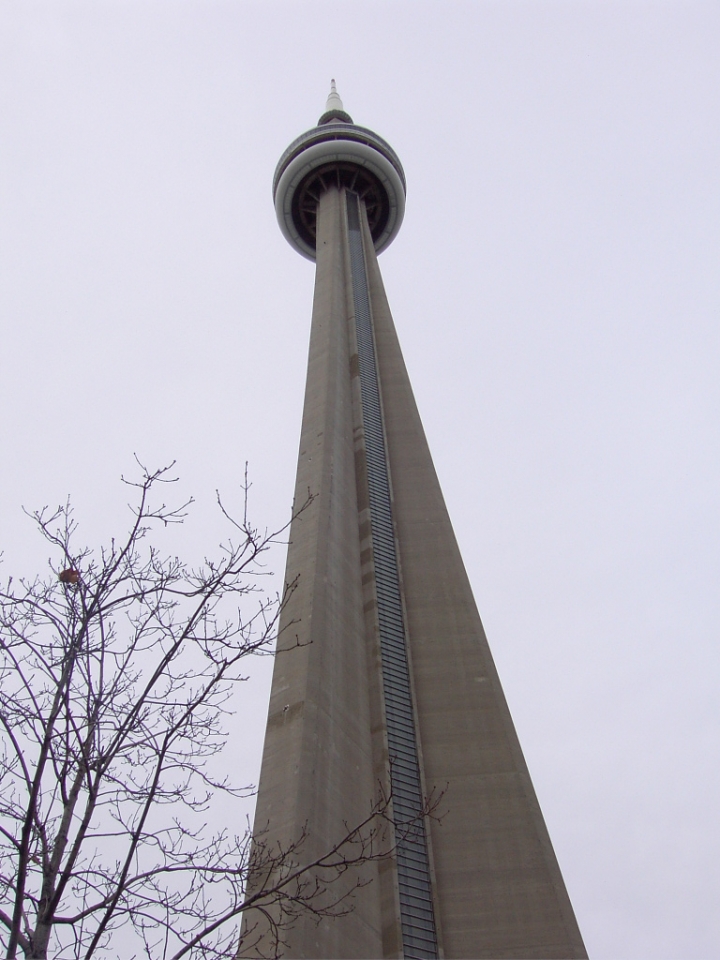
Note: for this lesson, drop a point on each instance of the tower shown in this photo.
(383, 674)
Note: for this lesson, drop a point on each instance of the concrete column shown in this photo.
(317, 770)
(499, 888)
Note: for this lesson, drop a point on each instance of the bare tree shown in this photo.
(116, 672)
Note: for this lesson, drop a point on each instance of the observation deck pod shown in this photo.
(339, 153)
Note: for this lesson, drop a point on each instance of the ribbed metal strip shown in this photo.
(416, 913)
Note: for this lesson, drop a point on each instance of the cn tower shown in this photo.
(383, 674)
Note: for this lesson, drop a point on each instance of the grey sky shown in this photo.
(555, 286)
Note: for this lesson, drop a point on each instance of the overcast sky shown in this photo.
(556, 290)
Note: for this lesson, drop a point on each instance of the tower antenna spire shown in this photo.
(333, 101)
(334, 109)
